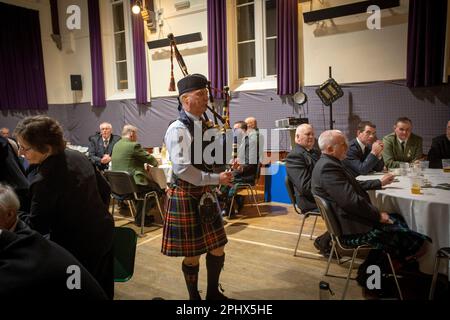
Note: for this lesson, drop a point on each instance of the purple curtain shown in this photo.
(426, 42)
(22, 77)
(217, 45)
(287, 47)
(98, 80)
(140, 67)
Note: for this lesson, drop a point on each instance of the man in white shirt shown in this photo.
(192, 223)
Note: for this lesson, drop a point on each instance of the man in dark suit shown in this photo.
(245, 174)
(131, 157)
(365, 153)
(360, 221)
(34, 267)
(300, 163)
(440, 149)
(101, 146)
(13, 173)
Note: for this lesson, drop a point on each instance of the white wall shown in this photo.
(355, 53)
(195, 54)
(75, 54)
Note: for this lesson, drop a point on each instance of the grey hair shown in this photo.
(109, 125)
(8, 199)
(127, 129)
(302, 126)
(326, 139)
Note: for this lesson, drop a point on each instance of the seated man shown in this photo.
(33, 267)
(4, 132)
(364, 154)
(128, 155)
(401, 145)
(360, 221)
(246, 172)
(13, 173)
(300, 163)
(255, 141)
(440, 149)
(101, 146)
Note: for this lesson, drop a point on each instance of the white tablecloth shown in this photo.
(427, 213)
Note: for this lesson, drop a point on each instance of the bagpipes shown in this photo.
(224, 118)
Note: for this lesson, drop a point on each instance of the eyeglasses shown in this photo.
(22, 149)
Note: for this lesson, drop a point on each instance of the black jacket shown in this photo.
(35, 268)
(67, 204)
(360, 162)
(97, 150)
(299, 167)
(346, 196)
(440, 149)
(13, 173)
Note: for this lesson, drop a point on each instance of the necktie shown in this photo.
(403, 146)
(105, 143)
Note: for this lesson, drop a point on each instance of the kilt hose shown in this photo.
(184, 234)
(396, 239)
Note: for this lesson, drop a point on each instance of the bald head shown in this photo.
(4, 132)
(304, 136)
(333, 143)
(251, 123)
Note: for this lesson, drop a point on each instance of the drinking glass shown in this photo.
(416, 183)
(446, 165)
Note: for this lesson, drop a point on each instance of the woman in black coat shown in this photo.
(68, 198)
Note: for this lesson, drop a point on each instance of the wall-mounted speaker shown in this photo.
(75, 82)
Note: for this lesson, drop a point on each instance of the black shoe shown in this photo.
(225, 213)
(123, 205)
(325, 253)
(217, 296)
(149, 220)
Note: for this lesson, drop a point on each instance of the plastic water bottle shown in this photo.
(324, 291)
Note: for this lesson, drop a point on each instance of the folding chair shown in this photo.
(125, 241)
(250, 188)
(306, 215)
(123, 186)
(442, 253)
(334, 228)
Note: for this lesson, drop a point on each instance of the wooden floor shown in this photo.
(259, 261)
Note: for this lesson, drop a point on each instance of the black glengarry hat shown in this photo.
(192, 82)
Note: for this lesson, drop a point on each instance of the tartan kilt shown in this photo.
(396, 239)
(183, 233)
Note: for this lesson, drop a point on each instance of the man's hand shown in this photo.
(377, 148)
(387, 179)
(105, 159)
(226, 177)
(384, 218)
(235, 165)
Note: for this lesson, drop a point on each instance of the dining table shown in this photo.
(427, 212)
